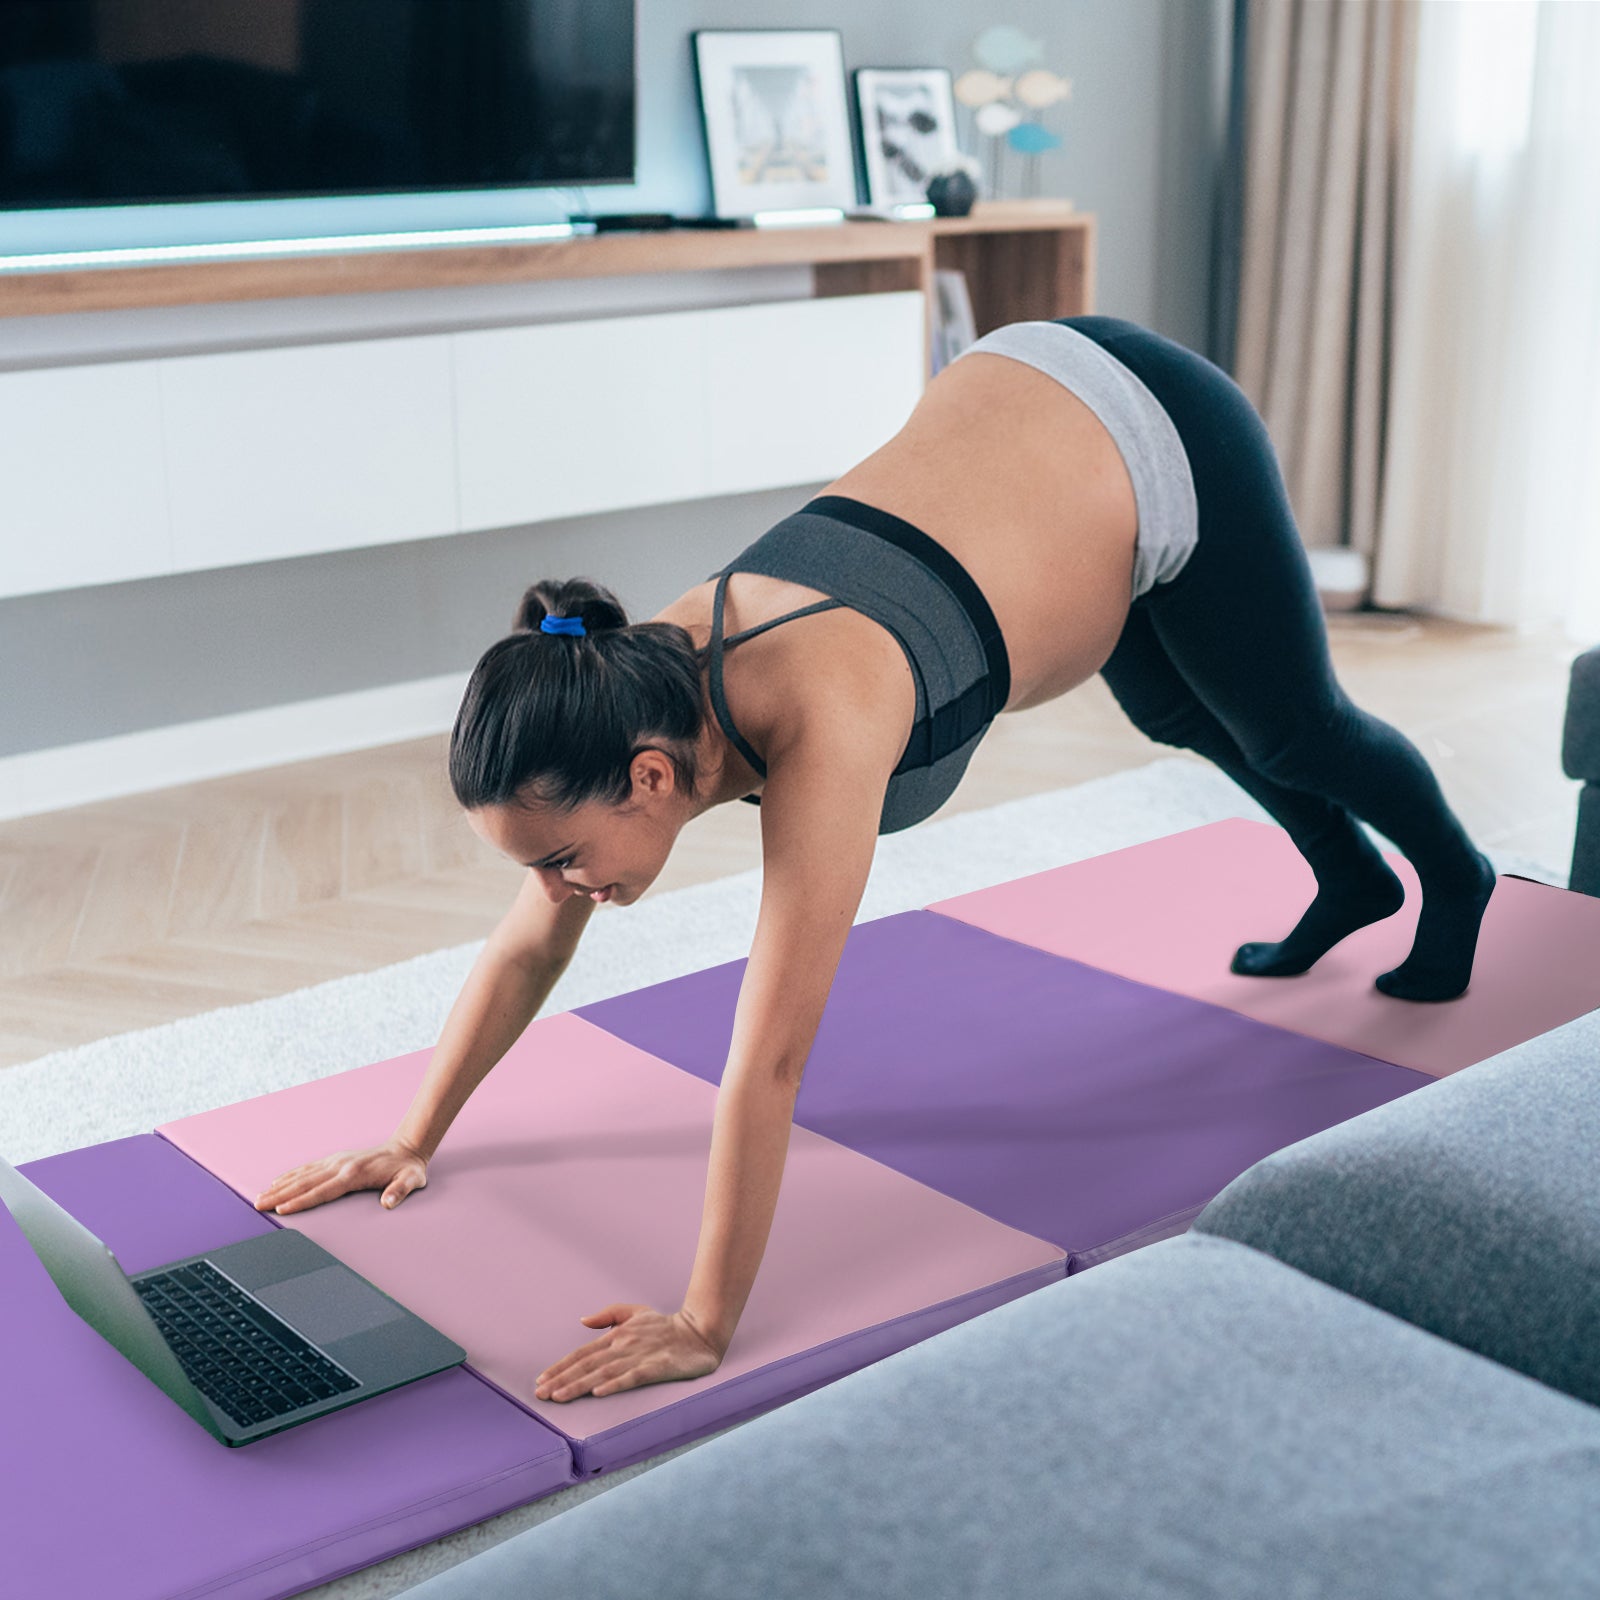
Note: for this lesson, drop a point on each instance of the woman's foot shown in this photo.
(1440, 964)
(1339, 909)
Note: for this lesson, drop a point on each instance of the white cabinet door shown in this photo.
(800, 391)
(573, 417)
(283, 452)
(569, 418)
(83, 494)
(131, 469)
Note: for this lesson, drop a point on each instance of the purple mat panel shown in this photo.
(1083, 1108)
(110, 1489)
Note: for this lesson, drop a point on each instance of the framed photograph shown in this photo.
(776, 119)
(908, 130)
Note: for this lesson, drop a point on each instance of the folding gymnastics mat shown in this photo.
(1005, 1087)
(107, 1488)
(1089, 1110)
(575, 1176)
(1171, 913)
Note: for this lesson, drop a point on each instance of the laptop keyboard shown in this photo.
(236, 1353)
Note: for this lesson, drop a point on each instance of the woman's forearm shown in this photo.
(749, 1145)
(499, 999)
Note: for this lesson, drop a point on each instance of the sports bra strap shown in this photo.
(788, 616)
(719, 700)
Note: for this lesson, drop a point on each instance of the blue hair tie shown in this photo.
(570, 625)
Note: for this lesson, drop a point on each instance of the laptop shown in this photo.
(250, 1338)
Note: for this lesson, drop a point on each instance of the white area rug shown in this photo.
(129, 1084)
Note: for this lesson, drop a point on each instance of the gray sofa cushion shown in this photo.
(1580, 758)
(1580, 735)
(1191, 1420)
(1470, 1208)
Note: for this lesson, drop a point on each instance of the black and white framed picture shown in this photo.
(908, 130)
(776, 119)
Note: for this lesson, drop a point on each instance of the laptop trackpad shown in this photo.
(330, 1303)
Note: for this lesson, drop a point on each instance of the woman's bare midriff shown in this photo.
(1020, 481)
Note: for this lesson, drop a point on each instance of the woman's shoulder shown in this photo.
(691, 611)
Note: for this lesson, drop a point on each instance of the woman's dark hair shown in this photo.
(563, 716)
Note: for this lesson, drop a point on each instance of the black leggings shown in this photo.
(1230, 659)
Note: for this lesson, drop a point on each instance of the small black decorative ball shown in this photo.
(951, 194)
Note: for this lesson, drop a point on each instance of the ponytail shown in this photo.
(561, 715)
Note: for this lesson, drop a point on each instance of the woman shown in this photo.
(1067, 498)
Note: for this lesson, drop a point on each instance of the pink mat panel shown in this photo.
(575, 1176)
(1171, 913)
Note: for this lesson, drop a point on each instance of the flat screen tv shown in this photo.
(130, 102)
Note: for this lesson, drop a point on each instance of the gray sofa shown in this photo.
(1371, 1369)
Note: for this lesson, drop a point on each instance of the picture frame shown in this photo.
(775, 113)
(908, 130)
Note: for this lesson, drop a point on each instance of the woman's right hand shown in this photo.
(396, 1167)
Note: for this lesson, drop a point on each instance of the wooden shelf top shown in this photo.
(41, 293)
(1009, 216)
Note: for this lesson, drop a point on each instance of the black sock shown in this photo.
(1342, 905)
(1440, 964)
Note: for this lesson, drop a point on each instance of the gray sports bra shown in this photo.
(882, 566)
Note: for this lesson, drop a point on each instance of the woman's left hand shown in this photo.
(639, 1346)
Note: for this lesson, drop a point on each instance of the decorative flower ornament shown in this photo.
(1039, 88)
(1006, 49)
(997, 118)
(1007, 68)
(979, 86)
(1029, 139)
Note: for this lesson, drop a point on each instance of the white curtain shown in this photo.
(1491, 496)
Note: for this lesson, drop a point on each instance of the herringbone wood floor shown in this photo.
(137, 911)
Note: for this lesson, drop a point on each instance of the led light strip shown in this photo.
(800, 217)
(812, 216)
(252, 249)
(248, 249)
